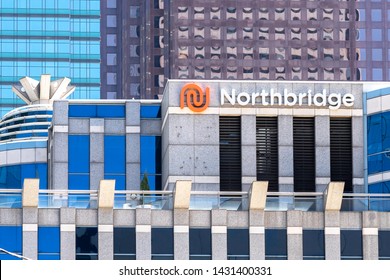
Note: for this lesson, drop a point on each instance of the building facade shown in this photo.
(61, 38)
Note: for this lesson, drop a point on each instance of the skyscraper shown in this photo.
(58, 37)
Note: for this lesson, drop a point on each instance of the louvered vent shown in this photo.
(267, 151)
(230, 153)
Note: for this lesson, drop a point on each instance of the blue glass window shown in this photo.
(114, 154)
(200, 243)
(374, 131)
(96, 111)
(124, 243)
(384, 244)
(238, 244)
(351, 245)
(151, 160)
(79, 153)
(10, 240)
(86, 243)
(276, 244)
(162, 243)
(313, 245)
(48, 243)
(12, 177)
(150, 111)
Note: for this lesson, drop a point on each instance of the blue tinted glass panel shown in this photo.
(111, 111)
(276, 244)
(6, 257)
(11, 238)
(313, 244)
(10, 177)
(154, 181)
(383, 187)
(150, 111)
(237, 243)
(374, 134)
(86, 240)
(384, 244)
(78, 181)
(200, 243)
(124, 241)
(49, 257)
(151, 154)
(78, 153)
(114, 154)
(82, 111)
(162, 242)
(375, 164)
(351, 244)
(385, 131)
(48, 240)
(120, 181)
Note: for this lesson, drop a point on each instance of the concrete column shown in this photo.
(133, 146)
(294, 235)
(30, 197)
(286, 153)
(332, 235)
(68, 233)
(59, 156)
(248, 151)
(322, 152)
(143, 233)
(256, 235)
(219, 234)
(106, 233)
(358, 154)
(96, 128)
(181, 220)
(370, 235)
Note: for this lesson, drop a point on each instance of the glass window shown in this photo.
(377, 74)
(150, 111)
(238, 244)
(111, 21)
(97, 111)
(111, 3)
(151, 161)
(377, 54)
(276, 244)
(124, 243)
(111, 59)
(384, 245)
(78, 153)
(374, 133)
(111, 40)
(313, 245)
(200, 244)
(376, 15)
(48, 243)
(114, 154)
(111, 78)
(78, 181)
(81, 111)
(351, 245)
(10, 240)
(86, 243)
(376, 34)
(162, 243)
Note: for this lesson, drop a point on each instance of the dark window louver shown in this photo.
(341, 151)
(267, 151)
(230, 153)
(304, 155)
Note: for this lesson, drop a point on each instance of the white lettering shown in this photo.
(246, 96)
(263, 96)
(322, 96)
(288, 95)
(275, 94)
(334, 101)
(225, 94)
(348, 100)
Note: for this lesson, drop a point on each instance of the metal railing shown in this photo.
(200, 200)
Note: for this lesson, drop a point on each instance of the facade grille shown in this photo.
(230, 153)
(341, 151)
(267, 151)
(304, 155)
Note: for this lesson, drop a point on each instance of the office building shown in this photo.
(60, 38)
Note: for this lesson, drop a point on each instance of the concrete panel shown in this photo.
(206, 160)
(256, 247)
(248, 159)
(96, 174)
(286, 161)
(30, 215)
(294, 247)
(334, 196)
(30, 244)
(13, 157)
(370, 219)
(294, 218)
(237, 219)
(200, 218)
(313, 220)
(332, 219)
(219, 217)
(48, 217)
(68, 245)
(322, 127)
(357, 132)
(133, 113)
(114, 126)
(60, 176)
(322, 161)
(133, 147)
(206, 129)
(60, 112)
(384, 220)
(143, 216)
(182, 195)
(275, 219)
(133, 176)
(105, 216)
(106, 245)
(358, 162)
(356, 90)
(68, 215)
(106, 194)
(123, 218)
(41, 155)
(285, 130)
(370, 247)
(162, 218)
(351, 220)
(181, 129)
(332, 247)
(256, 218)
(219, 246)
(78, 126)
(86, 217)
(96, 147)
(181, 160)
(248, 130)
(181, 246)
(181, 217)
(27, 155)
(60, 147)
(143, 245)
(30, 193)
(151, 127)
(11, 217)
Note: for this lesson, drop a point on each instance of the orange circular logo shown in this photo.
(195, 98)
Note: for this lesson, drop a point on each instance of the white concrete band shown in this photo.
(105, 228)
(256, 230)
(294, 230)
(248, 180)
(181, 229)
(133, 129)
(96, 129)
(370, 231)
(60, 128)
(143, 228)
(68, 227)
(332, 230)
(218, 229)
(30, 227)
(286, 180)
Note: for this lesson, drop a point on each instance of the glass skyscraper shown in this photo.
(57, 37)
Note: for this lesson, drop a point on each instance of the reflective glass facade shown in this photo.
(48, 243)
(58, 37)
(10, 240)
(12, 176)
